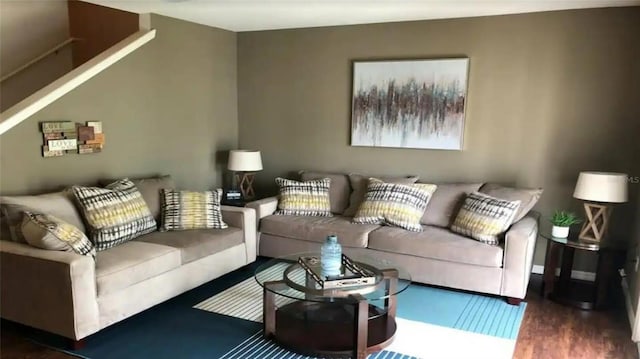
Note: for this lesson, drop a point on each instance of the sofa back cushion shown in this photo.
(445, 202)
(150, 190)
(59, 204)
(339, 189)
(359, 185)
(528, 197)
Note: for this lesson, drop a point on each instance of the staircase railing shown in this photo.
(39, 58)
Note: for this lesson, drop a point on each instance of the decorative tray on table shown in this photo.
(353, 274)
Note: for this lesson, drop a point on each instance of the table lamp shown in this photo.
(599, 190)
(245, 163)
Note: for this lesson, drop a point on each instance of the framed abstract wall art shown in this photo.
(409, 103)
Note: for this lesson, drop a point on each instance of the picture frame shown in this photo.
(410, 103)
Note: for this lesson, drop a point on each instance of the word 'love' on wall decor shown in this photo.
(62, 137)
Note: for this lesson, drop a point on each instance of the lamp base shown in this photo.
(245, 181)
(597, 223)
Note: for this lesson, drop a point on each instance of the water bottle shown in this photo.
(331, 257)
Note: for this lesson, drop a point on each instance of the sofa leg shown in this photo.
(514, 301)
(76, 344)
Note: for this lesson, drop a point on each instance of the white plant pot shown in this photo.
(560, 232)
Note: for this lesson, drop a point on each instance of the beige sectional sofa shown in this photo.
(74, 296)
(434, 256)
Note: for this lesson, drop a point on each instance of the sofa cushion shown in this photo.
(46, 231)
(485, 218)
(133, 262)
(394, 204)
(59, 204)
(316, 229)
(445, 202)
(197, 243)
(150, 190)
(436, 243)
(359, 185)
(528, 197)
(114, 214)
(186, 210)
(308, 198)
(338, 191)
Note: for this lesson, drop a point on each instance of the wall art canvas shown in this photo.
(409, 103)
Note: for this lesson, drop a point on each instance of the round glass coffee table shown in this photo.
(350, 317)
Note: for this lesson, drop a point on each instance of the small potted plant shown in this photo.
(561, 221)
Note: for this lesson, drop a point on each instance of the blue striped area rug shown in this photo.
(256, 347)
(221, 319)
(442, 318)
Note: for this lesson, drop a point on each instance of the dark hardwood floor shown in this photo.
(549, 331)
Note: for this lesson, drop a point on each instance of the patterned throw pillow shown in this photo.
(484, 218)
(182, 210)
(115, 214)
(308, 198)
(394, 204)
(48, 232)
(359, 184)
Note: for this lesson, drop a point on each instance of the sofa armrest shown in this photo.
(264, 207)
(519, 248)
(49, 290)
(245, 219)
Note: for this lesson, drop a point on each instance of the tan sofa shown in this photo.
(74, 296)
(435, 256)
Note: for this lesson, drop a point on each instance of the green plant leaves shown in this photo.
(564, 219)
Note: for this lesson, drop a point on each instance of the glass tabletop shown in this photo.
(287, 277)
(572, 240)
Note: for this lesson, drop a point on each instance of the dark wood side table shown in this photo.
(238, 202)
(584, 295)
(235, 203)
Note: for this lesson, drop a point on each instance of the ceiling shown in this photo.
(250, 15)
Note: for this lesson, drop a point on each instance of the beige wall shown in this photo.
(169, 107)
(550, 94)
(27, 30)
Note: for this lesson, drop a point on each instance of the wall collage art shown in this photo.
(64, 137)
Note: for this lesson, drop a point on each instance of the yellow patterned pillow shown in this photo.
(308, 198)
(49, 232)
(394, 204)
(115, 214)
(484, 218)
(191, 210)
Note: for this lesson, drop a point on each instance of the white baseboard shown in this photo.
(629, 306)
(627, 301)
(575, 274)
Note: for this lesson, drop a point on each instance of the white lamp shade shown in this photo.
(244, 161)
(607, 187)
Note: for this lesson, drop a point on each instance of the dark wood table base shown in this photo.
(342, 327)
(327, 329)
(564, 290)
